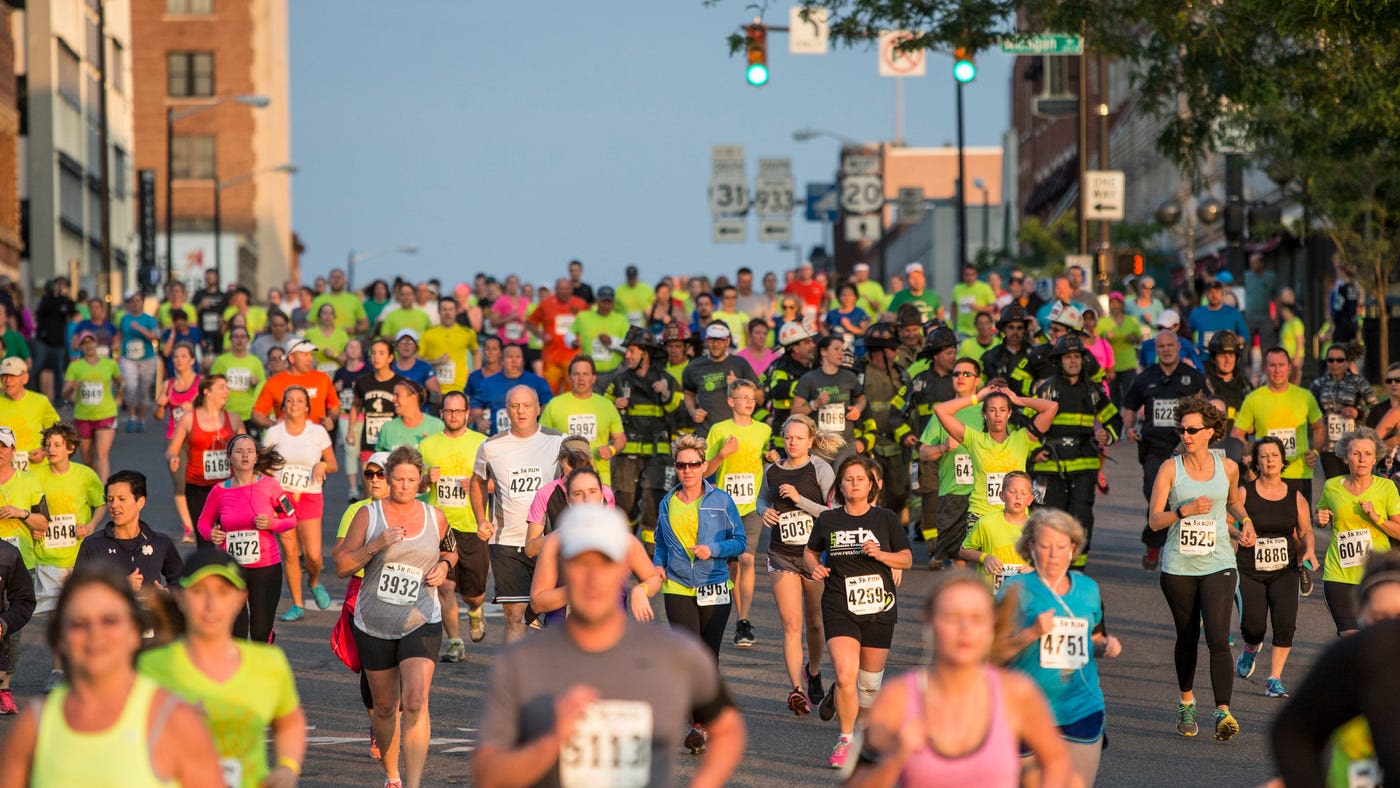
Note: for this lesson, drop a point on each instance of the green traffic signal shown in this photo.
(757, 75)
(964, 67)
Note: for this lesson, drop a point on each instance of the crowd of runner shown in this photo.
(577, 452)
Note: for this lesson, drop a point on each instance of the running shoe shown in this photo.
(1273, 688)
(55, 679)
(839, 753)
(323, 599)
(477, 625)
(1103, 484)
(743, 634)
(695, 740)
(188, 538)
(394, 783)
(7, 702)
(294, 613)
(456, 649)
(1225, 725)
(1186, 719)
(141, 425)
(814, 684)
(1305, 582)
(827, 708)
(935, 565)
(374, 745)
(798, 703)
(1151, 558)
(1244, 666)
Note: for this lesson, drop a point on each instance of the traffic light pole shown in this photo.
(962, 189)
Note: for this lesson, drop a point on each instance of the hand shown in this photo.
(392, 535)
(1134, 434)
(8, 512)
(702, 551)
(1247, 535)
(991, 563)
(217, 536)
(136, 579)
(485, 530)
(852, 413)
(789, 492)
(1044, 623)
(660, 387)
(84, 531)
(1370, 511)
(1308, 556)
(1311, 457)
(1199, 506)
(318, 473)
(1101, 437)
(871, 548)
(174, 463)
(620, 403)
(1324, 517)
(731, 377)
(910, 439)
(1349, 412)
(772, 455)
(1112, 647)
(700, 414)
(821, 399)
(436, 575)
(279, 777)
(897, 575)
(640, 604)
(262, 522)
(1040, 455)
(820, 572)
(434, 473)
(569, 707)
(329, 424)
(770, 516)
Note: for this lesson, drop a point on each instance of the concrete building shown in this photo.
(10, 245)
(195, 58)
(58, 62)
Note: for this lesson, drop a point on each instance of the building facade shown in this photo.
(10, 244)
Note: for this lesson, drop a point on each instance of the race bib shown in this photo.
(1365, 773)
(525, 482)
(136, 348)
(635, 318)
(14, 540)
(740, 487)
(794, 527)
(966, 304)
(446, 373)
(104, 351)
(962, 469)
(865, 595)
(1289, 437)
(1164, 412)
(329, 367)
(215, 465)
(502, 420)
(244, 546)
(295, 478)
(831, 417)
(20, 461)
(1353, 547)
(585, 425)
(994, 484)
(210, 322)
(239, 379)
(611, 746)
(562, 324)
(1197, 536)
(90, 392)
(1337, 426)
(232, 769)
(62, 531)
(451, 491)
(601, 352)
(374, 422)
(399, 584)
(1006, 570)
(712, 594)
(914, 475)
(670, 477)
(176, 413)
(1066, 645)
(514, 331)
(1271, 555)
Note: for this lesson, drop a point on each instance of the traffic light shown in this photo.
(964, 66)
(756, 39)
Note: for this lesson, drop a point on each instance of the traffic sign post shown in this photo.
(773, 189)
(910, 205)
(1043, 44)
(1102, 195)
(729, 193)
(808, 36)
(862, 193)
(823, 202)
(863, 228)
(896, 62)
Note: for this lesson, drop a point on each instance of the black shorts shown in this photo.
(379, 654)
(783, 562)
(473, 564)
(875, 631)
(513, 572)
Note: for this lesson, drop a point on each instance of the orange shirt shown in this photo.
(317, 384)
(555, 319)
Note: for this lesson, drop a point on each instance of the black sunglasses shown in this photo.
(369, 474)
(1191, 430)
(688, 466)
(1336, 361)
(962, 373)
(1392, 380)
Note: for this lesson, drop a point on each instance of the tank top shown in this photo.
(208, 463)
(1200, 544)
(789, 536)
(393, 599)
(118, 756)
(1274, 524)
(179, 404)
(995, 762)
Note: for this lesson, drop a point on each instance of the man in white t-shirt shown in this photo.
(520, 460)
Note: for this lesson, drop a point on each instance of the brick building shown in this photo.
(10, 246)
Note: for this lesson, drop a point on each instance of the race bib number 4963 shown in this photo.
(611, 745)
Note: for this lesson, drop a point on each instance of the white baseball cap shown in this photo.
(7, 437)
(912, 267)
(406, 332)
(14, 365)
(594, 527)
(717, 330)
(301, 346)
(380, 458)
(1169, 319)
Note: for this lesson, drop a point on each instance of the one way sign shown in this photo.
(1103, 195)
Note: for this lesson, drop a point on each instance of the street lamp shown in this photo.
(986, 206)
(808, 134)
(172, 114)
(360, 257)
(219, 186)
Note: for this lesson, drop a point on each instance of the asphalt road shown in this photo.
(1140, 685)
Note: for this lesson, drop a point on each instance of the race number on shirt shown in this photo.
(502, 420)
(515, 331)
(232, 769)
(136, 348)
(20, 461)
(1365, 773)
(712, 594)
(90, 392)
(962, 469)
(452, 491)
(374, 422)
(794, 527)
(62, 531)
(294, 478)
(1164, 412)
(994, 484)
(1006, 570)
(865, 594)
(1066, 645)
(525, 482)
(399, 584)
(329, 367)
(611, 745)
(215, 464)
(103, 351)
(563, 323)
(239, 379)
(1289, 437)
(740, 487)
(1197, 536)
(914, 474)
(831, 417)
(245, 546)
(210, 322)
(1337, 426)
(600, 352)
(1353, 547)
(1270, 554)
(584, 425)
(446, 373)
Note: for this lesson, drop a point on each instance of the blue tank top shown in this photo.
(1200, 544)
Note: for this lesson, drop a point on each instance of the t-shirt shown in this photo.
(335, 342)
(28, 417)
(1206, 322)
(301, 453)
(707, 380)
(318, 388)
(594, 418)
(1073, 693)
(391, 323)
(456, 342)
(872, 296)
(994, 534)
(991, 461)
(419, 371)
(858, 582)
(94, 398)
(104, 331)
(492, 397)
(23, 491)
(255, 320)
(454, 458)
(955, 475)
(1286, 415)
(239, 710)
(966, 299)
(70, 499)
(13, 344)
(520, 466)
(971, 348)
(1123, 336)
(634, 301)
(134, 344)
(375, 399)
(928, 302)
(349, 309)
(396, 433)
(589, 326)
(244, 373)
(165, 312)
(555, 320)
(842, 389)
(1292, 336)
(652, 684)
(1354, 536)
(741, 473)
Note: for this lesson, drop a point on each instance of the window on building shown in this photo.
(70, 194)
(115, 73)
(121, 164)
(70, 75)
(192, 156)
(189, 7)
(190, 74)
(94, 37)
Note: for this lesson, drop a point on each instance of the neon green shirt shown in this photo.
(955, 469)
(594, 418)
(335, 342)
(872, 298)
(1355, 538)
(28, 417)
(966, 299)
(257, 319)
(163, 313)
(973, 349)
(740, 473)
(95, 398)
(991, 461)
(738, 323)
(245, 375)
(349, 309)
(589, 326)
(1286, 415)
(458, 343)
(23, 491)
(993, 534)
(685, 524)
(71, 498)
(345, 519)
(1293, 337)
(399, 319)
(634, 301)
(1123, 336)
(454, 458)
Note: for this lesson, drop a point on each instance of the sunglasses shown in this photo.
(964, 374)
(1190, 430)
(1336, 361)
(1392, 380)
(688, 466)
(789, 306)
(369, 474)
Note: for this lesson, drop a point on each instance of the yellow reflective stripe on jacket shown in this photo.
(1069, 466)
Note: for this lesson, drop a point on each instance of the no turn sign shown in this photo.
(895, 62)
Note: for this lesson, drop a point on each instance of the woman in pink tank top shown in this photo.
(958, 721)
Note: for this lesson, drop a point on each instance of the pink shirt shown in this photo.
(541, 502)
(508, 315)
(233, 509)
(759, 361)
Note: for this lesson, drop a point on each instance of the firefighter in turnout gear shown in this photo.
(909, 324)
(798, 358)
(1066, 467)
(1002, 359)
(645, 395)
(911, 410)
(1041, 362)
(675, 340)
(1223, 378)
(883, 380)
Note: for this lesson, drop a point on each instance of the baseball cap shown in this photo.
(7, 436)
(406, 332)
(717, 330)
(1147, 281)
(606, 293)
(1116, 295)
(1214, 283)
(912, 267)
(132, 293)
(862, 267)
(14, 365)
(1169, 319)
(86, 335)
(380, 458)
(596, 528)
(631, 270)
(301, 346)
(211, 562)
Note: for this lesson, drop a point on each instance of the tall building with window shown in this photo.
(59, 65)
(218, 68)
(10, 244)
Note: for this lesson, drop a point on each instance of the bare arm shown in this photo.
(1157, 518)
(1036, 727)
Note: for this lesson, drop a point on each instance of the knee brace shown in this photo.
(868, 686)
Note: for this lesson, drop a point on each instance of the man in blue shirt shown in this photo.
(1216, 315)
(488, 406)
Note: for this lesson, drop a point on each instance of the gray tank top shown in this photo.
(394, 600)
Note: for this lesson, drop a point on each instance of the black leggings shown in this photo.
(1342, 604)
(196, 495)
(707, 623)
(264, 591)
(1270, 595)
(1191, 599)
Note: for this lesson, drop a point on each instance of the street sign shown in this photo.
(860, 164)
(776, 230)
(1043, 44)
(910, 207)
(772, 197)
(1055, 106)
(823, 202)
(728, 195)
(862, 193)
(775, 168)
(1103, 195)
(729, 230)
(726, 160)
(896, 62)
(808, 36)
(863, 228)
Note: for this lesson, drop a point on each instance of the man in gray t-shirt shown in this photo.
(560, 702)
(707, 377)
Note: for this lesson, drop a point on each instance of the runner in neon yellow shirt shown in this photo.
(971, 297)
(245, 374)
(350, 315)
(330, 340)
(26, 413)
(992, 541)
(600, 332)
(1288, 413)
(451, 348)
(999, 450)
(591, 416)
(634, 298)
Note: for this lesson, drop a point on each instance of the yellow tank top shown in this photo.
(118, 756)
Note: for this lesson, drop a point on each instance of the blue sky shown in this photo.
(512, 137)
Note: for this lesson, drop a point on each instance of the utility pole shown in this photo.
(104, 184)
